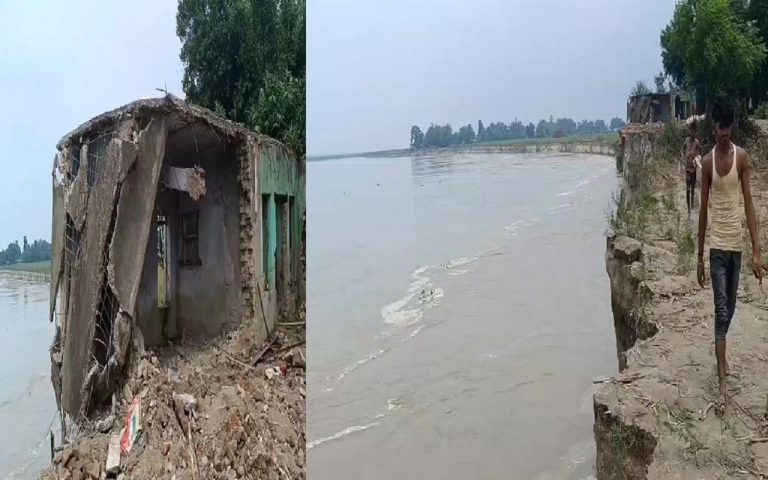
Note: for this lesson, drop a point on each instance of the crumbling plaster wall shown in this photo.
(208, 296)
(204, 299)
(254, 308)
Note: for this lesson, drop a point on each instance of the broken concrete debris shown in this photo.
(189, 180)
(272, 372)
(105, 424)
(296, 358)
(113, 455)
(186, 403)
(196, 183)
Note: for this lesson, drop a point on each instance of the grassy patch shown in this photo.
(611, 138)
(36, 267)
(632, 218)
(668, 201)
(619, 448)
(683, 424)
(671, 141)
(686, 247)
(679, 231)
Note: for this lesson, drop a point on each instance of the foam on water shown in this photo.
(515, 226)
(392, 405)
(422, 295)
(561, 207)
(344, 433)
(409, 309)
(354, 366)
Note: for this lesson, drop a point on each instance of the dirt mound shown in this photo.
(217, 409)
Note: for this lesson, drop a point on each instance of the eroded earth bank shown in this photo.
(656, 418)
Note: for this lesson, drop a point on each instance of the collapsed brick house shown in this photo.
(660, 107)
(168, 221)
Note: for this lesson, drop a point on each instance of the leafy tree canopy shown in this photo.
(246, 59)
(712, 47)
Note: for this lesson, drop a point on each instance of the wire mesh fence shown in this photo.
(93, 153)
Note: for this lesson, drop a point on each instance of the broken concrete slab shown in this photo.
(134, 214)
(57, 243)
(77, 194)
(87, 285)
(112, 466)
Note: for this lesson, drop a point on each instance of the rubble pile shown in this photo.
(217, 409)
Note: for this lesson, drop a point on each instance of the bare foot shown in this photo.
(723, 400)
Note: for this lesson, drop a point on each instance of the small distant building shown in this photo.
(660, 107)
(168, 221)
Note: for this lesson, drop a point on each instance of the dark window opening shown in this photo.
(190, 245)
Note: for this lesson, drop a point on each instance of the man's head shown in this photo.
(722, 115)
(692, 128)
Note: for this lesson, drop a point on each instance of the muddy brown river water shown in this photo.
(459, 310)
(27, 404)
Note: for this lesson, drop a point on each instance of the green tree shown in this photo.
(659, 81)
(417, 137)
(39, 250)
(757, 12)
(543, 129)
(280, 111)
(467, 134)
(12, 254)
(233, 51)
(530, 130)
(640, 88)
(600, 126)
(439, 136)
(481, 137)
(710, 47)
(617, 123)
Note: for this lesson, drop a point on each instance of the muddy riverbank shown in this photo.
(655, 419)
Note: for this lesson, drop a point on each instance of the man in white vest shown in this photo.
(725, 172)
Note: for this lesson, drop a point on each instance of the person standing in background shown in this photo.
(691, 149)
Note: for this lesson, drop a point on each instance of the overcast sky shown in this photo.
(377, 67)
(62, 63)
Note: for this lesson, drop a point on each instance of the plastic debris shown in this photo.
(132, 425)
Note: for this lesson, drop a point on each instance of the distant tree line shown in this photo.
(36, 251)
(442, 136)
